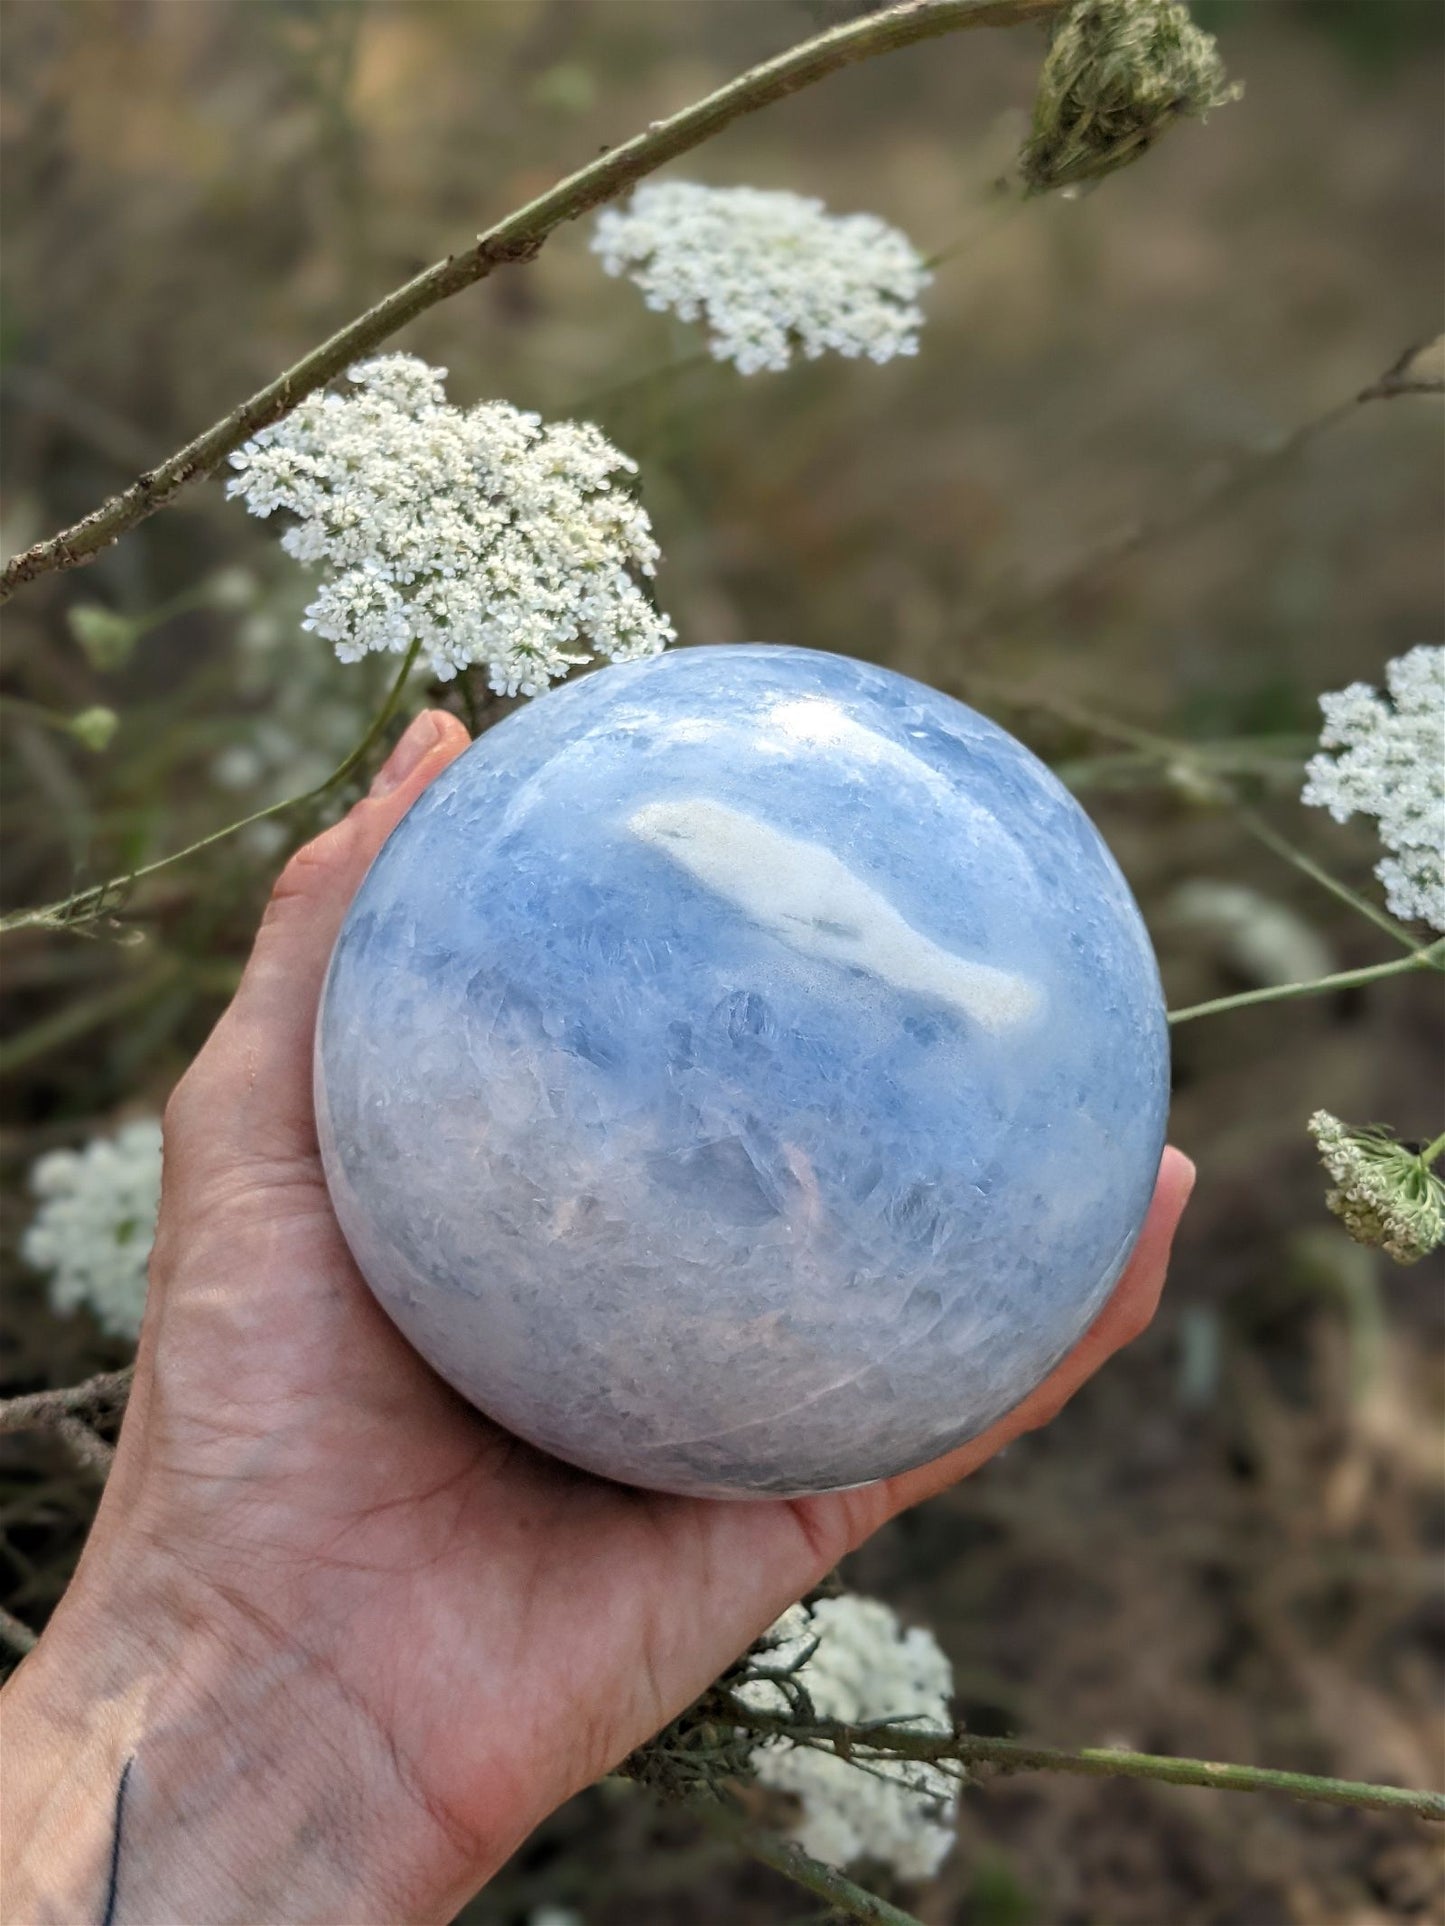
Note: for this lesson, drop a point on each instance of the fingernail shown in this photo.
(419, 736)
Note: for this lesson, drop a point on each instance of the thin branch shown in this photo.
(17, 1636)
(842, 1893)
(517, 238)
(97, 1398)
(1018, 1755)
(1432, 958)
(1221, 484)
(86, 904)
(1419, 371)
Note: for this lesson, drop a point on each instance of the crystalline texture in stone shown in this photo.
(743, 1072)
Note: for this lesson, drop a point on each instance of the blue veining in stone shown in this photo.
(743, 1071)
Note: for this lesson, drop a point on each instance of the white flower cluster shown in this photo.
(1390, 764)
(482, 533)
(894, 1812)
(1385, 1193)
(770, 272)
(96, 1223)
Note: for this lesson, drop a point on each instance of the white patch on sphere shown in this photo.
(802, 893)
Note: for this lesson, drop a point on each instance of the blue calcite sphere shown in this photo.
(743, 1072)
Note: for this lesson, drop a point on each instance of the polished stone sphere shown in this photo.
(743, 1072)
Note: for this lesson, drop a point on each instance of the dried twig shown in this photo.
(96, 1400)
(1418, 371)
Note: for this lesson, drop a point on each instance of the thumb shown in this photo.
(253, 1077)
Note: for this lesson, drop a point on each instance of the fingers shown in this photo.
(1126, 1316)
(256, 1067)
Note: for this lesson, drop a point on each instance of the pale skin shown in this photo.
(347, 1642)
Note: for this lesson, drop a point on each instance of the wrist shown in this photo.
(176, 1751)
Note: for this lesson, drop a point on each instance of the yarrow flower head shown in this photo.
(894, 1812)
(771, 273)
(1386, 1194)
(483, 534)
(1384, 756)
(96, 1223)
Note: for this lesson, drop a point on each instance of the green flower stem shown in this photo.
(1432, 1151)
(842, 1894)
(1013, 1755)
(517, 238)
(1146, 746)
(1432, 958)
(196, 597)
(998, 207)
(86, 904)
(1264, 833)
(891, 1741)
(89, 1013)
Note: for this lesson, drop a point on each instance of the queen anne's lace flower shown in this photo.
(96, 1223)
(1389, 762)
(895, 1812)
(770, 273)
(1386, 1195)
(482, 533)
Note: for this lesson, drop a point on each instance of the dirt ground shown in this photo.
(1231, 1545)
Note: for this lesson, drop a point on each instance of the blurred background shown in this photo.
(1231, 1545)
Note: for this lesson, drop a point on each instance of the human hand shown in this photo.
(337, 1643)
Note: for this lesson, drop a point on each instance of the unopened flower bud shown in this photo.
(106, 637)
(1118, 74)
(1386, 1194)
(95, 727)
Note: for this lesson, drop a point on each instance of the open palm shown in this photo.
(502, 1629)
